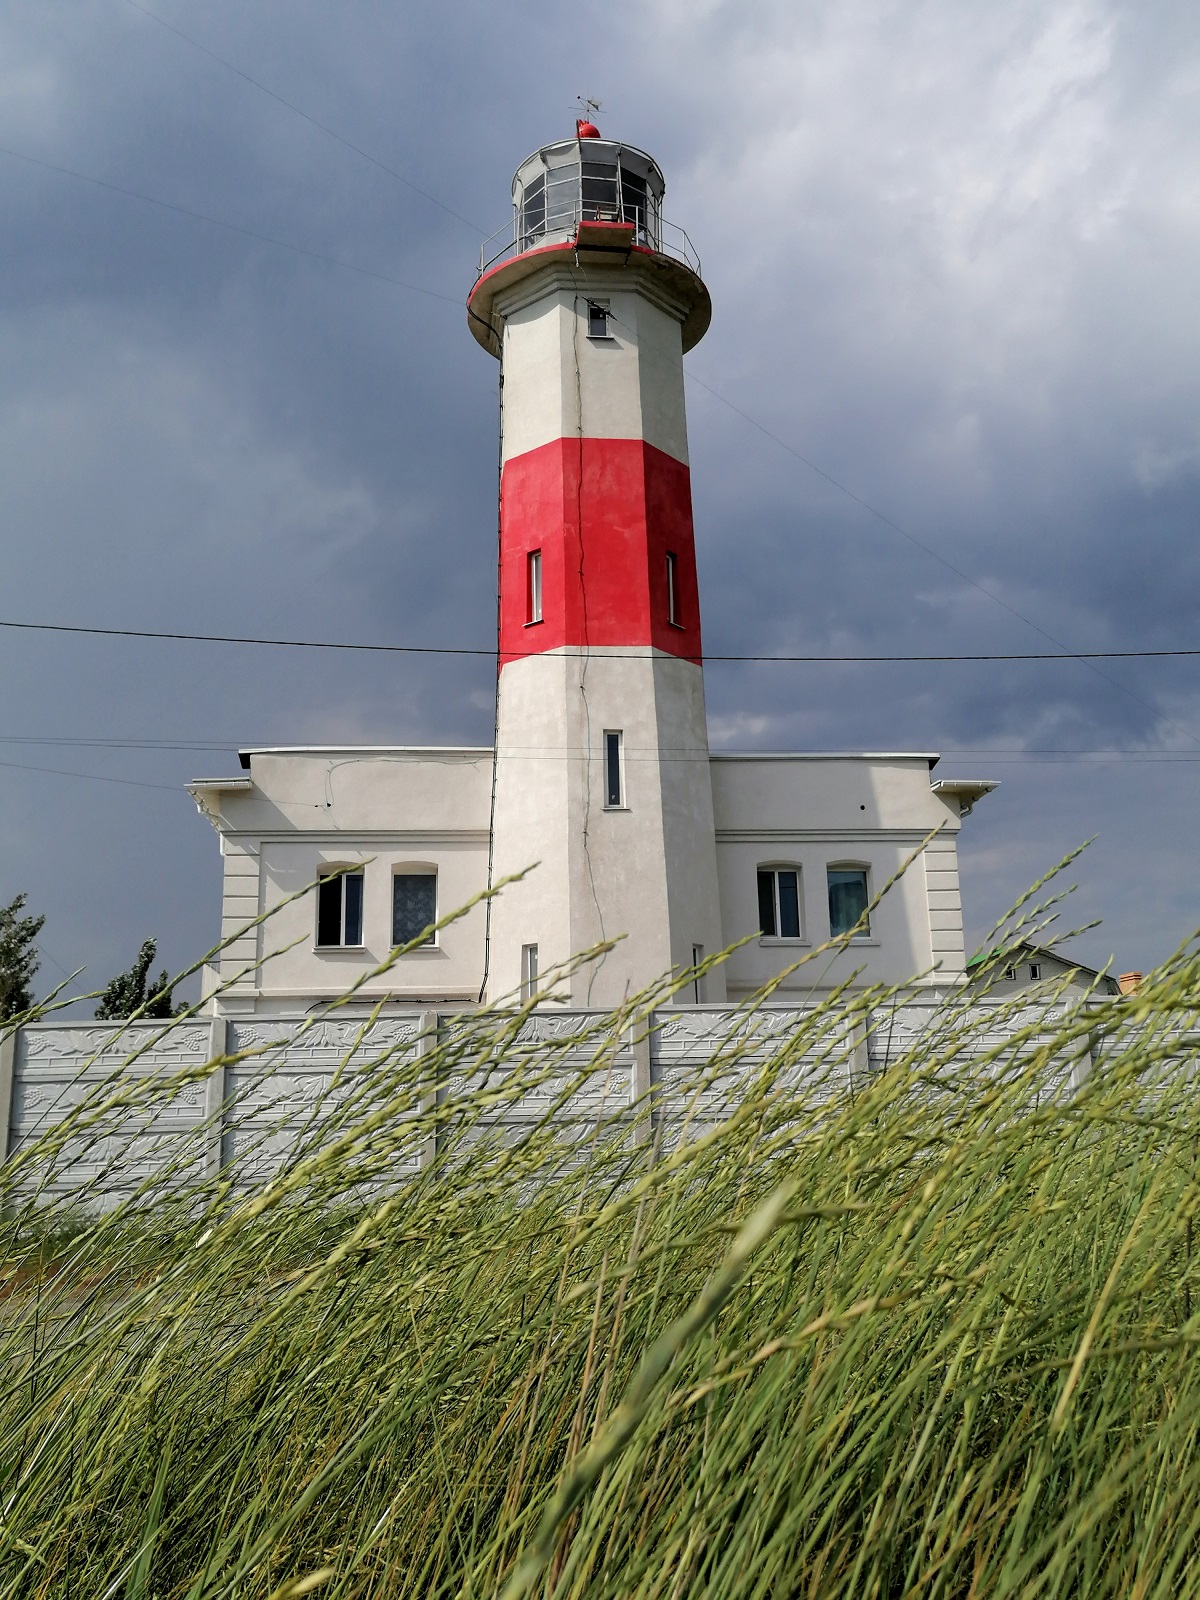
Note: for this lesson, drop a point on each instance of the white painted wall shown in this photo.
(393, 810)
(816, 812)
(631, 383)
(657, 876)
(645, 872)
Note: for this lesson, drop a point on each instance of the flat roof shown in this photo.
(363, 750)
(826, 755)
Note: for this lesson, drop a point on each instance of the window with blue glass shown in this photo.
(848, 900)
(779, 902)
(414, 906)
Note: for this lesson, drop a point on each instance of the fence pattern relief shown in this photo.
(146, 1098)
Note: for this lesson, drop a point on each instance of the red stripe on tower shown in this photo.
(611, 521)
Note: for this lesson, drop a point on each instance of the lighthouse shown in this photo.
(600, 795)
(602, 773)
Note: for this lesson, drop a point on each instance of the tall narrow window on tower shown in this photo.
(529, 971)
(614, 775)
(533, 587)
(673, 616)
(597, 320)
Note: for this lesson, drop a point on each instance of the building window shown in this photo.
(414, 906)
(848, 902)
(1010, 973)
(1035, 971)
(533, 587)
(340, 909)
(614, 769)
(779, 902)
(697, 981)
(597, 320)
(529, 972)
(673, 590)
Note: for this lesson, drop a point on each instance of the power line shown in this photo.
(927, 658)
(231, 227)
(333, 134)
(95, 777)
(220, 746)
(1089, 658)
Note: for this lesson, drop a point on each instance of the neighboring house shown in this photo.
(601, 780)
(1025, 964)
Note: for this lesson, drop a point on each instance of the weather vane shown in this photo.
(588, 106)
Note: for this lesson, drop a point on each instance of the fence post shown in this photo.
(214, 1098)
(860, 1054)
(641, 1080)
(427, 1038)
(8, 1059)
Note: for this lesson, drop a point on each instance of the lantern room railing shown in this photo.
(517, 236)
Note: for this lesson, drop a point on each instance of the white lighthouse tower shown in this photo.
(602, 760)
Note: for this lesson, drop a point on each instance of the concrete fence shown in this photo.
(144, 1097)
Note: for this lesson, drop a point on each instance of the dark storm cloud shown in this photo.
(952, 256)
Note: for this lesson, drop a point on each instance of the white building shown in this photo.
(602, 774)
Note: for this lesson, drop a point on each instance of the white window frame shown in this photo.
(1035, 972)
(604, 309)
(775, 868)
(339, 873)
(533, 588)
(621, 803)
(529, 972)
(698, 981)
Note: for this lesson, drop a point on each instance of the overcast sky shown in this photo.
(952, 251)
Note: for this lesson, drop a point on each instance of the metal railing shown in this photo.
(653, 233)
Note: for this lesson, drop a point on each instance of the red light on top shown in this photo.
(586, 130)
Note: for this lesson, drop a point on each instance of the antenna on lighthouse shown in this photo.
(585, 128)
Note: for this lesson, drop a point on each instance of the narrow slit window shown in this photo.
(340, 910)
(673, 616)
(597, 320)
(533, 587)
(698, 981)
(529, 971)
(779, 902)
(614, 786)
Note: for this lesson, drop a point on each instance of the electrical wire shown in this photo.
(333, 134)
(923, 658)
(231, 227)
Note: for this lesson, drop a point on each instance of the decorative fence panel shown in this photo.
(152, 1104)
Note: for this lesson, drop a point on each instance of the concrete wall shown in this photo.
(163, 1117)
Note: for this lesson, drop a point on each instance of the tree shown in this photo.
(129, 991)
(18, 958)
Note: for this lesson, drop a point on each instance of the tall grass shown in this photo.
(931, 1334)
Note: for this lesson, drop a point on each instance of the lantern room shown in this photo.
(599, 201)
(586, 179)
